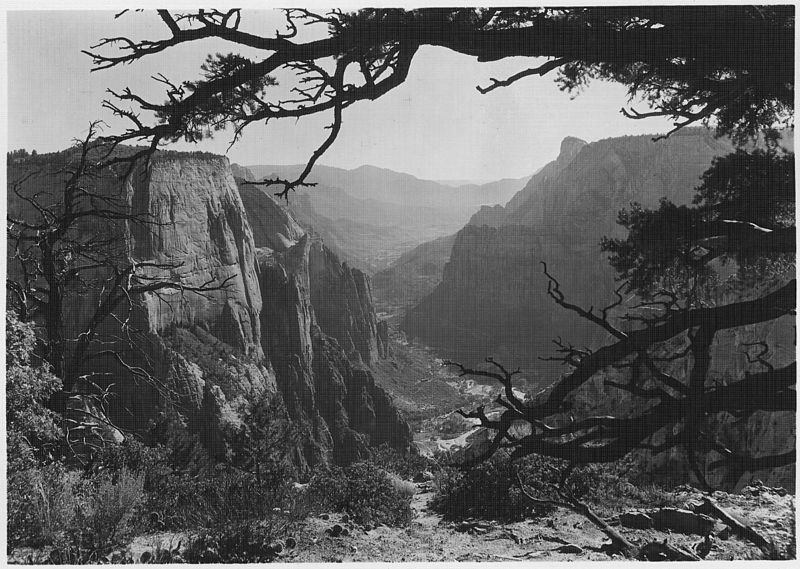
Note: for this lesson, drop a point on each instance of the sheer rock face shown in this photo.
(498, 215)
(287, 321)
(342, 299)
(320, 332)
(359, 412)
(492, 299)
(341, 296)
(201, 228)
(205, 349)
(219, 353)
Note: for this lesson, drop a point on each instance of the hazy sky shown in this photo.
(436, 125)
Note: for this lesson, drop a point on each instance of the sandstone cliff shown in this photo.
(341, 296)
(492, 299)
(320, 331)
(212, 356)
(201, 227)
(497, 215)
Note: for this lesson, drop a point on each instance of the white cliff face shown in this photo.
(200, 229)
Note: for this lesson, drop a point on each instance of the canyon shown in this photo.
(350, 333)
(493, 299)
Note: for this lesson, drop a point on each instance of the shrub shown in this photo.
(81, 517)
(31, 427)
(55, 502)
(212, 495)
(221, 496)
(110, 508)
(31, 432)
(265, 442)
(405, 464)
(403, 487)
(243, 542)
(489, 490)
(615, 486)
(362, 490)
(154, 463)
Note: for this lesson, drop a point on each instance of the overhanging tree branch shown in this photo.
(680, 58)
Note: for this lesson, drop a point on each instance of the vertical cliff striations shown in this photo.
(212, 356)
(320, 331)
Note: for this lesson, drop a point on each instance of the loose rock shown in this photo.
(569, 548)
(636, 520)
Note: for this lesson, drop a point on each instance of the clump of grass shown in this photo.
(83, 518)
(404, 488)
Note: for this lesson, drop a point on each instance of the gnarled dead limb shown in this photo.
(708, 507)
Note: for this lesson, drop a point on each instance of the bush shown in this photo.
(213, 495)
(405, 464)
(487, 490)
(615, 486)
(154, 463)
(81, 517)
(110, 508)
(222, 496)
(31, 427)
(362, 490)
(31, 432)
(55, 502)
(234, 543)
(404, 488)
(265, 442)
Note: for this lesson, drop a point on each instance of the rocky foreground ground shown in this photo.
(559, 536)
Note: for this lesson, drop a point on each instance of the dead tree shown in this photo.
(674, 409)
(682, 60)
(68, 233)
(680, 405)
(742, 215)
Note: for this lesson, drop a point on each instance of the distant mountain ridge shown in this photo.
(370, 216)
(384, 185)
